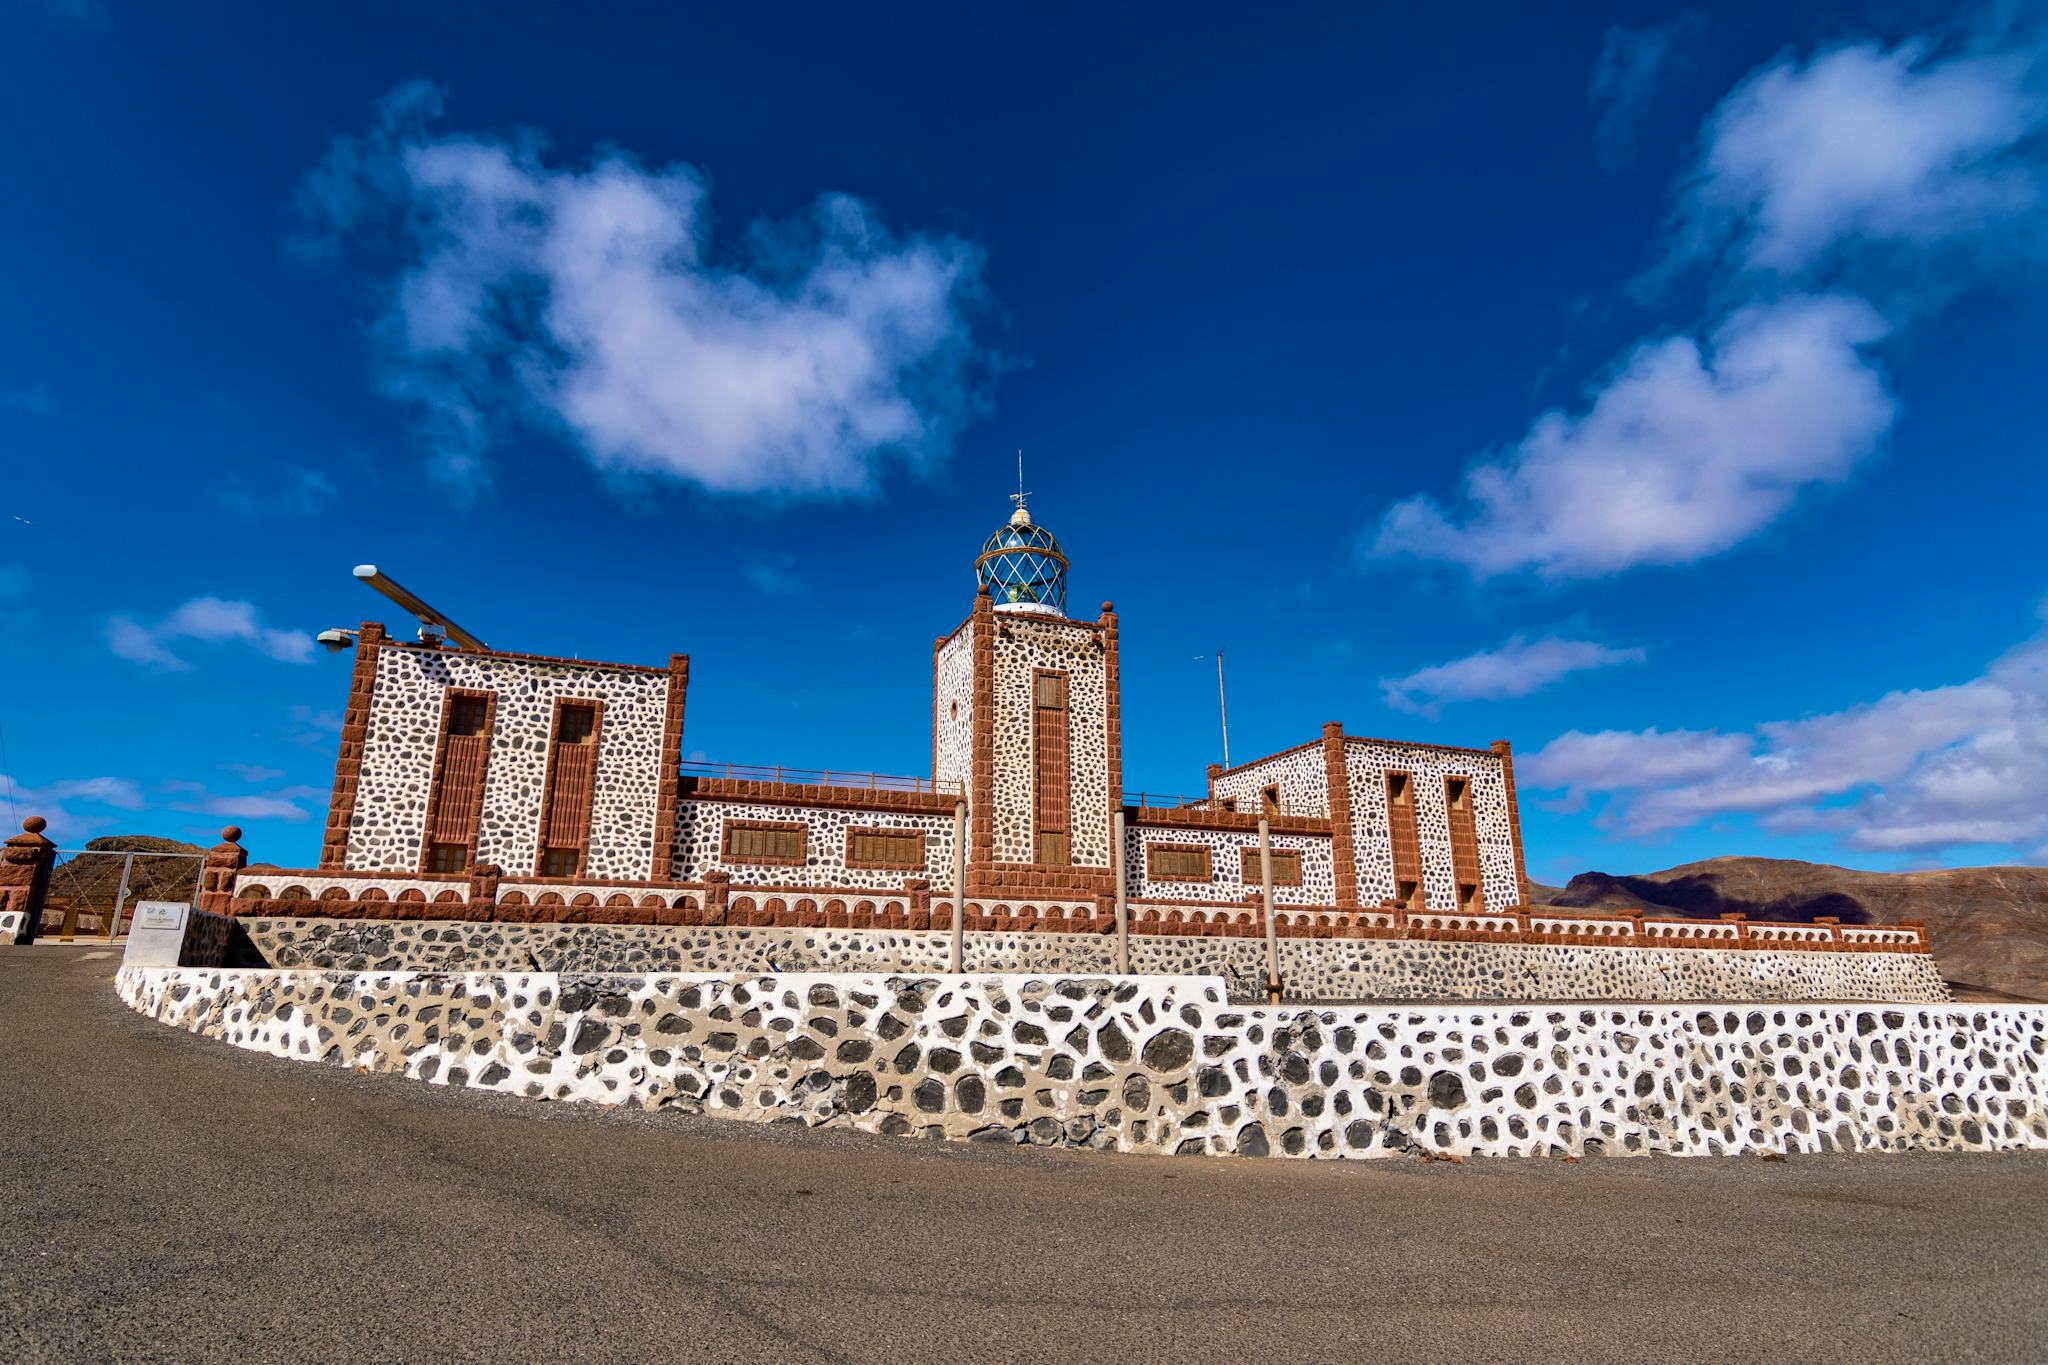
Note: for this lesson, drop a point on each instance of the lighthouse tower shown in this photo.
(1025, 720)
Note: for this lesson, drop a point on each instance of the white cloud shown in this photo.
(1864, 146)
(208, 620)
(1685, 451)
(1517, 668)
(286, 490)
(774, 576)
(76, 808)
(587, 300)
(1914, 771)
(1899, 172)
(253, 772)
(1632, 65)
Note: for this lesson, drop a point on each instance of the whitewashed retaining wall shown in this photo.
(1163, 1065)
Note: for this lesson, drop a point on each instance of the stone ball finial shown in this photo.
(1108, 607)
(35, 824)
(230, 834)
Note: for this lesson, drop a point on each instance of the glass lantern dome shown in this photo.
(1023, 567)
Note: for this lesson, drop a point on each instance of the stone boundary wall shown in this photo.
(1312, 969)
(1162, 1065)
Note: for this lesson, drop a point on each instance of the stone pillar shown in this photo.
(1741, 923)
(355, 733)
(717, 892)
(224, 864)
(1834, 927)
(25, 863)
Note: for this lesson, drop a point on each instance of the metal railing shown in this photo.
(1165, 801)
(821, 777)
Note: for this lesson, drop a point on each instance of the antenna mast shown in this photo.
(1222, 707)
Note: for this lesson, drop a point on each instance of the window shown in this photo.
(1228, 803)
(1468, 898)
(900, 848)
(560, 862)
(759, 841)
(447, 857)
(576, 725)
(1405, 894)
(1397, 789)
(1050, 779)
(1286, 867)
(1454, 792)
(468, 714)
(1404, 843)
(1177, 862)
(1269, 799)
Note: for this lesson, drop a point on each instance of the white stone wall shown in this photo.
(700, 827)
(1226, 883)
(1303, 776)
(1163, 1064)
(1023, 644)
(953, 713)
(389, 824)
(1368, 761)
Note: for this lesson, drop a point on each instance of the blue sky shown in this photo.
(1659, 390)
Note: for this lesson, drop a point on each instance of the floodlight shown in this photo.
(433, 624)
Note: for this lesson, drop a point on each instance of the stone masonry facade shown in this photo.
(527, 787)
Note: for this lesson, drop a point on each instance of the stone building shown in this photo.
(566, 774)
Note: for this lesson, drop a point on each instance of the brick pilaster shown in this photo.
(671, 769)
(1337, 776)
(355, 733)
(1507, 774)
(1113, 710)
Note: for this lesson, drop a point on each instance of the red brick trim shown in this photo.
(1466, 868)
(1113, 713)
(982, 772)
(1507, 775)
(1237, 821)
(671, 768)
(471, 816)
(355, 734)
(1052, 802)
(1153, 874)
(530, 658)
(1412, 744)
(913, 864)
(545, 841)
(693, 788)
(1248, 866)
(1337, 778)
(1404, 838)
(725, 854)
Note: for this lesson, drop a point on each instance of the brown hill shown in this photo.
(1988, 925)
(83, 886)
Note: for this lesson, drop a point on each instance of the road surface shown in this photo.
(166, 1197)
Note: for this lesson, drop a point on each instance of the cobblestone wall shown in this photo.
(700, 829)
(1313, 969)
(1162, 1065)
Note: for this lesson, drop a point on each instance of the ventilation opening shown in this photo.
(1454, 792)
(1269, 799)
(1397, 789)
(1407, 894)
(1468, 896)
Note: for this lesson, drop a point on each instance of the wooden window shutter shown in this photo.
(570, 787)
(455, 796)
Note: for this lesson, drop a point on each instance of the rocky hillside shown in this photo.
(83, 887)
(1989, 925)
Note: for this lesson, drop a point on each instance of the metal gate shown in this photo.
(93, 890)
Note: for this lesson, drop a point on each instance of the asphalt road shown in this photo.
(163, 1197)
